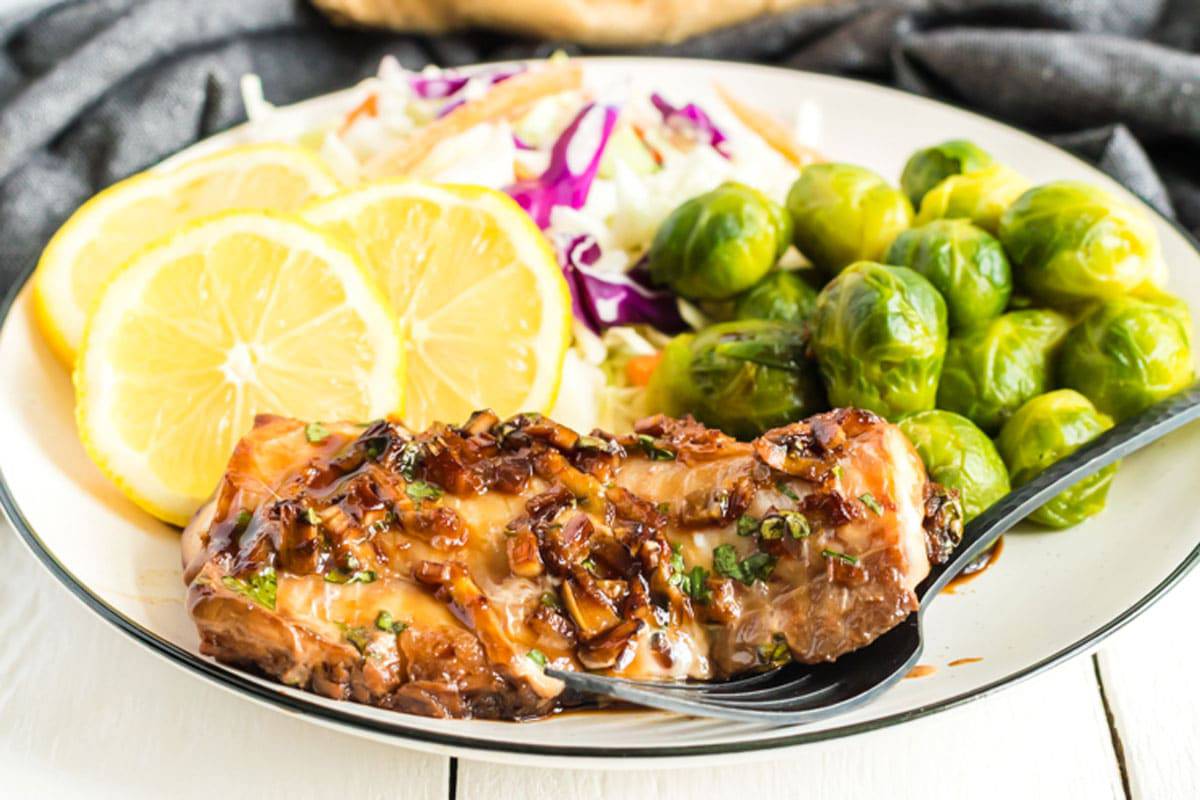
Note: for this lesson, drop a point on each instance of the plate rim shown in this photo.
(400, 733)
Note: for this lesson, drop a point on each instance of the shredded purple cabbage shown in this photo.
(446, 109)
(559, 185)
(692, 119)
(449, 84)
(436, 87)
(603, 299)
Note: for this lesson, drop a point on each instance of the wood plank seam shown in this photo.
(1114, 734)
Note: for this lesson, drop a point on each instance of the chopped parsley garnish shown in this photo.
(361, 576)
(870, 502)
(650, 447)
(260, 587)
(776, 652)
(382, 524)
(757, 567)
(725, 562)
(836, 471)
(845, 558)
(754, 567)
(550, 600)
(596, 443)
(589, 564)
(747, 525)
(695, 584)
(797, 524)
(357, 636)
(786, 491)
(664, 509)
(315, 432)
(312, 517)
(419, 491)
(537, 657)
(243, 519)
(771, 527)
(385, 623)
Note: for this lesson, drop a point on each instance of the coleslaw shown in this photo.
(598, 167)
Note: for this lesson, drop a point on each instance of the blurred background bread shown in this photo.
(592, 22)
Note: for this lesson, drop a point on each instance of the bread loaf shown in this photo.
(603, 23)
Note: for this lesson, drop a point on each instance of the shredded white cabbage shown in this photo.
(483, 155)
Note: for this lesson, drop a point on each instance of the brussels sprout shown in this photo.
(843, 213)
(991, 370)
(720, 243)
(1168, 302)
(783, 296)
(1049, 428)
(980, 196)
(1070, 242)
(1128, 354)
(744, 377)
(929, 167)
(966, 264)
(879, 334)
(960, 456)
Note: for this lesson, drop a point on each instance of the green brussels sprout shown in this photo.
(1169, 303)
(879, 334)
(720, 243)
(1049, 428)
(783, 296)
(1125, 355)
(744, 377)
(966, 264)
(980, 196)
(991, 370)
(960, 456)
(1070, 242)
(929, 167)
(843, 213)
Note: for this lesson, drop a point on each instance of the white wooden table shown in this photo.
(87, 713)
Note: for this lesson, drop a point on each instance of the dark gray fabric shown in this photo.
(92, 90)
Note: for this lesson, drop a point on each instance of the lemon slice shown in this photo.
(239, 314)
(483, 303)
(106, 230)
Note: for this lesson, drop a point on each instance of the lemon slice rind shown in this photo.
(96, 378)
(57, 312)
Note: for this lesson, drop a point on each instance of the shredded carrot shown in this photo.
(641, 134)
(771, 130)
(639, 368)
(504, 101)
(368, 107)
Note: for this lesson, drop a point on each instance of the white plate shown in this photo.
(1049, 597)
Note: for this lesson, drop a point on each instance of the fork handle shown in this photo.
(1112, 445)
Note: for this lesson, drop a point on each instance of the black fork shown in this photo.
(801, 693)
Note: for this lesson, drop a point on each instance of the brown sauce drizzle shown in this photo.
(958, 662)
(921, 671)
(976, 567)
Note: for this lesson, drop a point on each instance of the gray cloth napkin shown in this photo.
(93, 90)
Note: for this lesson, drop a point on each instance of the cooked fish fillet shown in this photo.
(437, 572)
